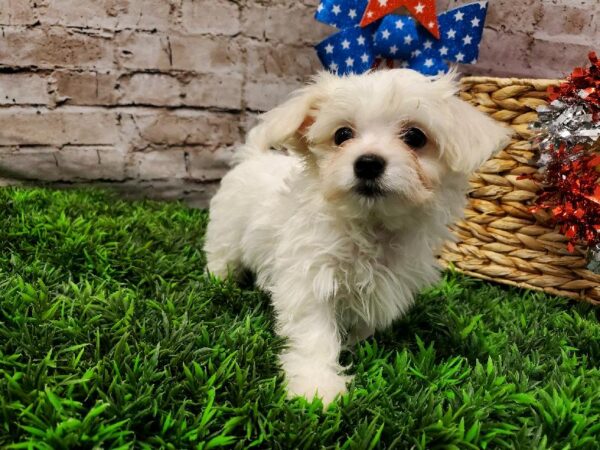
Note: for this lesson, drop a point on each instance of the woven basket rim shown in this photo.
(500, 239)
(501, 81)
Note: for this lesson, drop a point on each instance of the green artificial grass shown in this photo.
(112, 336)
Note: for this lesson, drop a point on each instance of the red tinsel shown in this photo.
(572, 195)
(583, 83)
(572, 177)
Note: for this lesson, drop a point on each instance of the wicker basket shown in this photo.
(500, 240)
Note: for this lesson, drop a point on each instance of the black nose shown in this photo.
(369, 167)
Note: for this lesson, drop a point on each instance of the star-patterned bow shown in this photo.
(422, 10)
(350, 50)
(355, 49)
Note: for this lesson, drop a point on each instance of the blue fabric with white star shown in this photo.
(355, 49)
(341, 13)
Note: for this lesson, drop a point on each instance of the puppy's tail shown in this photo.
(259, 139)
(282, 127)
(258, 142)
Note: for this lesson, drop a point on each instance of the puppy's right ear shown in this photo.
(285, 125)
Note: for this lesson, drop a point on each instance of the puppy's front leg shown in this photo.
(310, 360)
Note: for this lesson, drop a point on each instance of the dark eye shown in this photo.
(342, 135)
(415, 138)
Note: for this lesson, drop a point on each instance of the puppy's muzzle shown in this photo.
(368, 169)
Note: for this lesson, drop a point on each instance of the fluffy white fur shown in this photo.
(340, 265)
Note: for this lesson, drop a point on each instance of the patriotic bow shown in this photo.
(356, 49)
(422, 10)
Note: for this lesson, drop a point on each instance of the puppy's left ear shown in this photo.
(473, 136)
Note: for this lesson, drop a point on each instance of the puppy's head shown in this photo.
(385, 139)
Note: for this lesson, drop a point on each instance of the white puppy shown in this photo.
(344, 231)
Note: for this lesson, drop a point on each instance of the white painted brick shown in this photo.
(78, 13)
(84, 88)
(569, 24)
(211, 17)
(16, 12)
(53, 47)
(294, 25)
(187, 128)
(204, 54)
(263, 96)
(142, 51)
(91, 163)
(109, 14)
(112, 162)
(167, 164)
(28, 126)
(220, 91)
(548, 55)
(23, 89)
(150, 89)
(162, 15)
(249, 121)
(70, 163)
(272, 61)
(41, 165)
(207, 165)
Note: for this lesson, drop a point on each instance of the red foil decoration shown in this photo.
(572, 177)
(583, 83)
(572, 195)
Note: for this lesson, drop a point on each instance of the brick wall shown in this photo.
(151, 96)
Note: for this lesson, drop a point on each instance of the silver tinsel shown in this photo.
(567, 123)
(564, 123)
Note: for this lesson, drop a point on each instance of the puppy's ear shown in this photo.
(285, 125)
(473, 137)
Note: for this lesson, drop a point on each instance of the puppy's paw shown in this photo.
(217, 269)
(326, 386)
